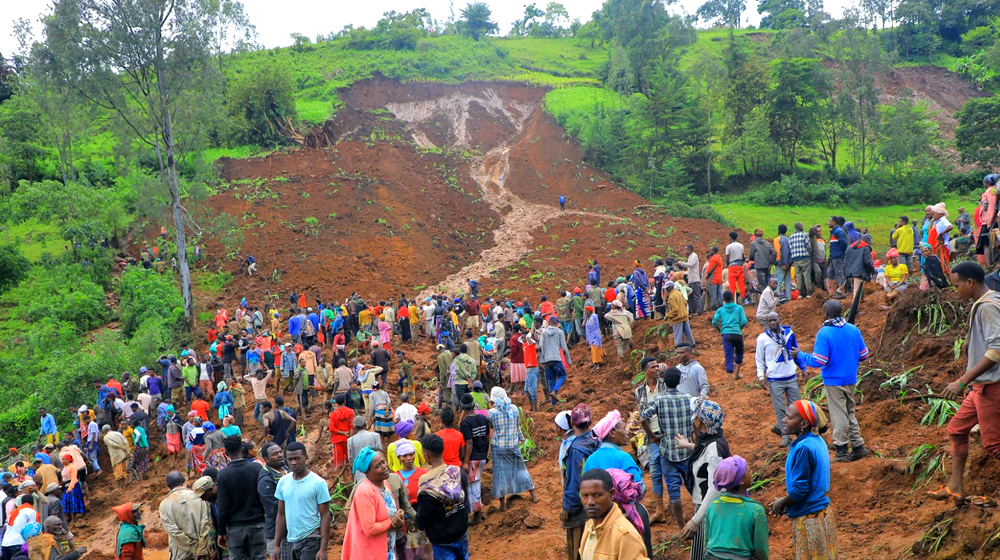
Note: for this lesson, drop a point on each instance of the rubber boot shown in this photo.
(859, 453)
(842, 455)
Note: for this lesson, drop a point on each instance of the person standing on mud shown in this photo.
(584, 444)
(838, 351)
(562, 203)
(982, 373)
(693, 267)
(777, 371)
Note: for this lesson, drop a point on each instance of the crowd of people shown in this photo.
(415, 491)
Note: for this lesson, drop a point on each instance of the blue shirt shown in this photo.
(838, 351)
(314, 319)
(44, 458)
(48, 425)
(295, 325)
(611, 456)
(302, 500)
(838, 243)
(155, 385)
(807, 475)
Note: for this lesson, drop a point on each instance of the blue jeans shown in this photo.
(715, 295)
(458, 550)
(556, 374)
(567, 326)
(732, 345)
(653, 450)
(531, 384)
(784, 279)
(673, 473)
(189, 393)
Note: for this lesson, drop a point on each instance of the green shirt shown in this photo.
(578, 305)
(190, 374)
(736, 525)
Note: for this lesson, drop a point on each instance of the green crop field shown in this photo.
(878, 220)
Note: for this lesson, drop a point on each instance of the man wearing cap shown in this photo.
(53, 496)
(187, 521)
(573, 516)
(444, 360)
(361, 439)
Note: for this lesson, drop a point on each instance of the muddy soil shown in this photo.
(466, 179)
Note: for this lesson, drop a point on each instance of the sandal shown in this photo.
(982, 501)
(945, 493)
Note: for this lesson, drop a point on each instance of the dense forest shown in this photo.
(105, 129)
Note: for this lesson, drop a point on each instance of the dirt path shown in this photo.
(512, 239)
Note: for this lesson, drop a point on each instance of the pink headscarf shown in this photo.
(628, 492)
(606, 424)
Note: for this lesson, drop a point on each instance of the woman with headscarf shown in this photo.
(628, 493)
(736, 526)
(385, 335)
(214, 438)
(405, 432)
(938, 236)
(592, 328)
(510, 475)
(807, 480)
(223, 400)
(140, 452)
(415, 546)
(932, 269)
(985, 218)
(72, 500)
(640, 281)
(613, 435)
(380, 412)
(229, 427)
(708, 450)
(130, 541)
(374, 516)
(441, 503)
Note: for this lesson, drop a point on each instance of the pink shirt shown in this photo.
(367, 524)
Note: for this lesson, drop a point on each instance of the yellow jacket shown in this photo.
(616, 538)
(677, 311)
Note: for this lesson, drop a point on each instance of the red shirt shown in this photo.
(547, 308)
(609, 295)
(341, 420)
(530, 355)
(453, 442)
(302, 301)
(220, 321)
(338, 340)
(201, 407)
(212, 335)
(412, 483)
(116, 386)
(403, 313)
(716, 262)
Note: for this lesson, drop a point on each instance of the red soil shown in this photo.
(517, 162)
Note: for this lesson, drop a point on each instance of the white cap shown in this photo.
(83, 408)
(562, 420)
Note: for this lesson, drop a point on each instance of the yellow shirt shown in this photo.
(414, 315)
(365, 317)
(393, 460)
(896, 273)
(904, 239)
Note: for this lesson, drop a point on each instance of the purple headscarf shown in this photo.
(403, 429)
(730, 472)
(628, 492)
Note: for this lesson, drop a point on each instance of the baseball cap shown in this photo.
(202, 485)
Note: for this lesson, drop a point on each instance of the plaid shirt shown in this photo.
(800, 245)
(673, 410)
(506, 431)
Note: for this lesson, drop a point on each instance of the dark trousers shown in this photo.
(247, 543)
(304, 549)
(732, 345)
(695, 304)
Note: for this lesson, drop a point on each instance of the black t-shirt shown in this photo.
(381, 359)
(476, 428)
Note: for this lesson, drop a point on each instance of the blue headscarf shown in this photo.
(364, 460)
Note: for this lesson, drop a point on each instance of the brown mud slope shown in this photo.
(456, 163)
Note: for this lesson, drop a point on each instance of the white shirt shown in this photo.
(93, 430)
(206, 372)
(771, 360)
(693, 268)
(12, 536)
(428, 312)
(734, 252)
(144, 399)
(405, 411)
(120, 405)
(144, 381)
(128, 409)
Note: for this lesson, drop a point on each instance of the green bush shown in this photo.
(261, 106)
(145, 295)
(14, 267)
(64, 294)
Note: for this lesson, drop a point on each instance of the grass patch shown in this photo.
(239, 152)
(35, 238)
(878, 220)
(211, 283)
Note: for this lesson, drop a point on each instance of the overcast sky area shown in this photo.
(275, 21)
